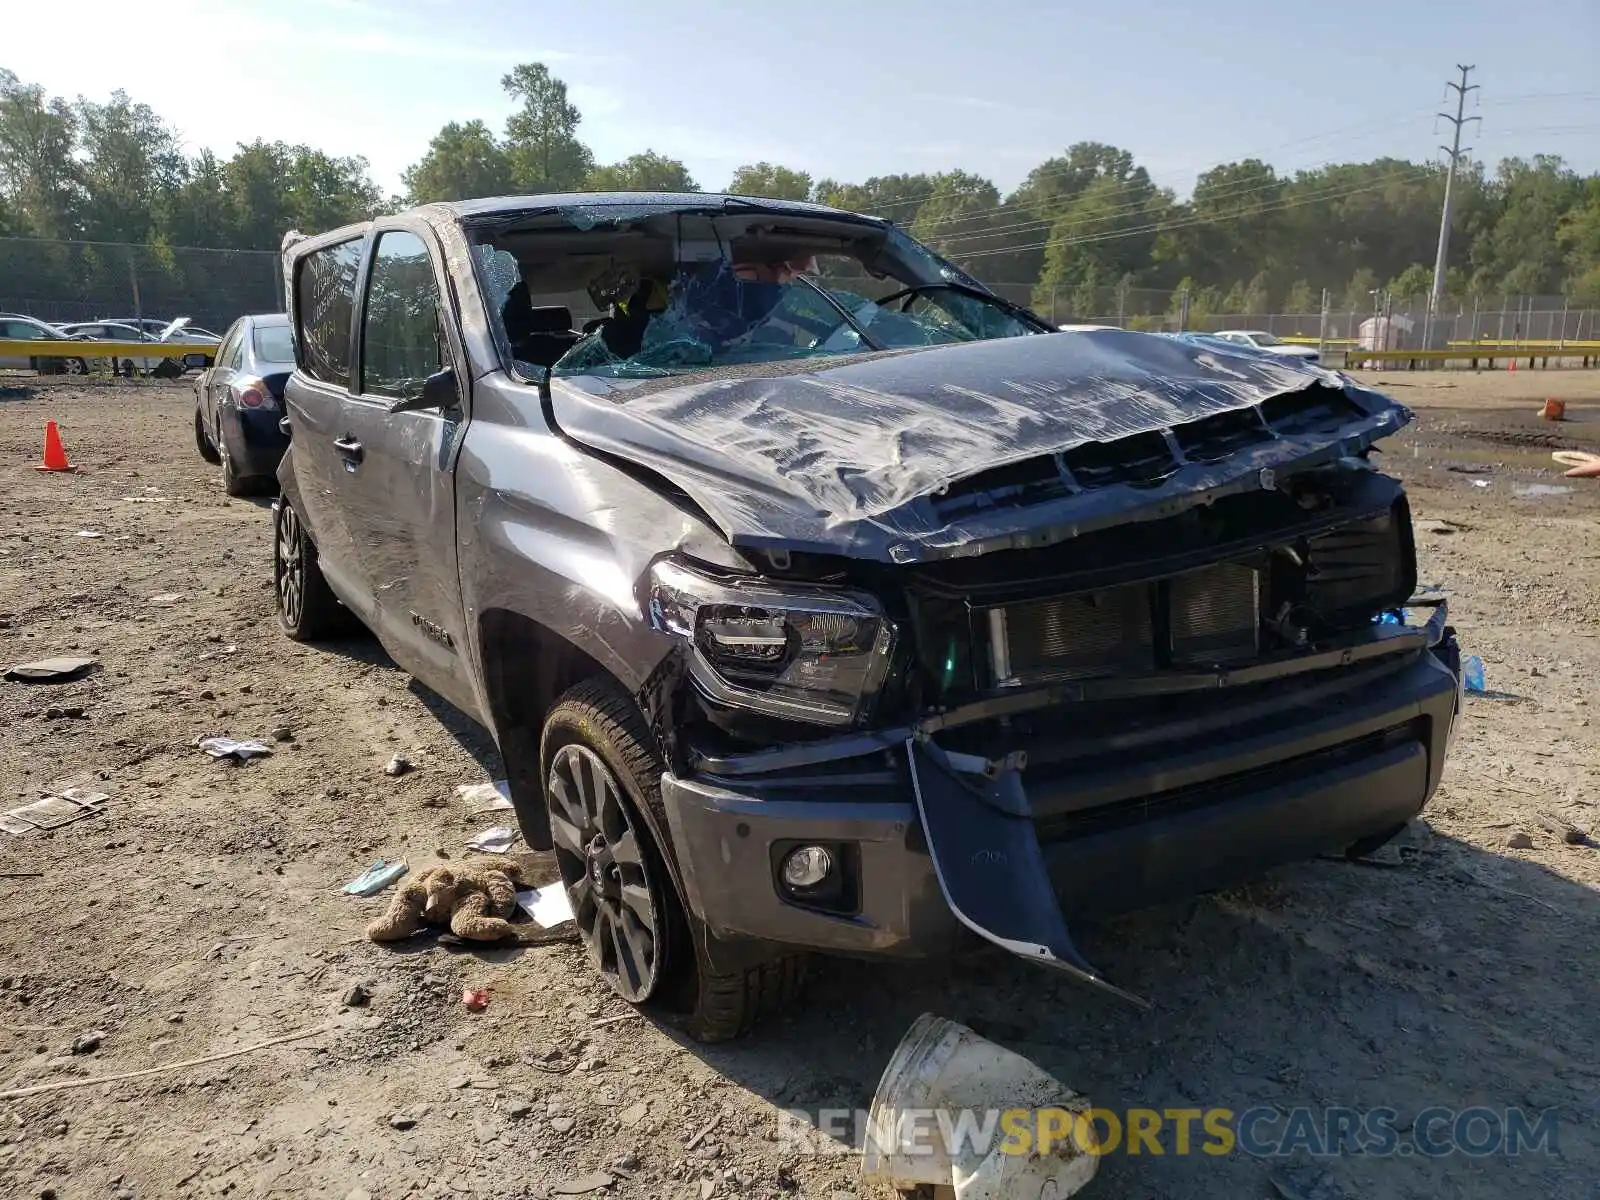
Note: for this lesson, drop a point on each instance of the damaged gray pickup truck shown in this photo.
(818, 599)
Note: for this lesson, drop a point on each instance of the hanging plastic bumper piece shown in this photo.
(986, 857)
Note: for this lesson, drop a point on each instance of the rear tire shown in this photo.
(202, 440)
(600, 772)
(307, 608)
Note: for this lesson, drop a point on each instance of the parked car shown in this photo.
(806, 621)
(1257, 339)
(238, 402)
(119, 331)
(15, 325)
(199, 360)
(188, 333)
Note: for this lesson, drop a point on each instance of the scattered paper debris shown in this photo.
(61, 808)
(493, 841)
(485, 797)
(90, 533)
(221, 747)
(166, 599)
(219, 653)
(375, 878)
(548, 906)
(51, 670)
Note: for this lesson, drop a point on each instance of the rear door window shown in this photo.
(325, 294)
(400, 340)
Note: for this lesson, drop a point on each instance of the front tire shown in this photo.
(600, 772)
(307, 608)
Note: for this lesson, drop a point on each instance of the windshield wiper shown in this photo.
(849, 317)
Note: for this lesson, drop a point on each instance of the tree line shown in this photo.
(1248, 239)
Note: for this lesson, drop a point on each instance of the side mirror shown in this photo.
(439, 391)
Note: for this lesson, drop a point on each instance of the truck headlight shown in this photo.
(809, 654)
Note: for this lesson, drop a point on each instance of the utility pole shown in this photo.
(1454, 151)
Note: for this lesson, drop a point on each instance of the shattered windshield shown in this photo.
(674, 294)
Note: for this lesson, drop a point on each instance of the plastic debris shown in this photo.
(222, 747)
(50, 670)
(946, 1067)
(1535, 491)
(485, 797)
(375, 878)
(1480, 483)
(548, 906)
(493, 841)
(1395, 616)
(475, 999)
(1472, 674)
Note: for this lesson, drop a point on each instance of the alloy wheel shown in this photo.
(74, 366)
(288, 566)
(603, 867)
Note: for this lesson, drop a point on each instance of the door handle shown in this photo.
(349, 447)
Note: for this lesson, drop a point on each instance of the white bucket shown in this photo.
(943, 1088)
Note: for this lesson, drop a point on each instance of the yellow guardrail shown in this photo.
(1475, 354)
(1537, 346)
(49, 348)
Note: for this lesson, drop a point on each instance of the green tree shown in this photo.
(770, 179)
(956, 214)
(1414, 282)
(38, 173)
(463, 161)
(130, 165)
(644, 172)
(1520, 250)
(1358, 292)
(197, 213)
(1579, 236)
(542, 135)
(897, 197)
(1301, 299)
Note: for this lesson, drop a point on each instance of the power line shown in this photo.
(1164, 226)
(1389, 121)
(1186, 172)
(1232, 193)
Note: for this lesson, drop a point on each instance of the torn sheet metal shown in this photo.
(987, 859)
(851, 456)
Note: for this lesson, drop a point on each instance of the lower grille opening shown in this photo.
(1089, 821)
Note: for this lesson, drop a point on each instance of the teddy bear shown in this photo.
(473, 898)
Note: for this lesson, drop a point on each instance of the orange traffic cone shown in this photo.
(55, 458)
(1554, 410)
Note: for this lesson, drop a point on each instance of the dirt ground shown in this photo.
(202, 912)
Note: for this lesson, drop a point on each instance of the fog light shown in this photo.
(807, 867)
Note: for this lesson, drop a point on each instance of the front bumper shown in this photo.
(1317, 774)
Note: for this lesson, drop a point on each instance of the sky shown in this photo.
(847, 90)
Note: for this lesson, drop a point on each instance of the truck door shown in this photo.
(315, 399)
(408, 543)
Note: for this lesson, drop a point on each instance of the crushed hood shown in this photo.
(876, 456)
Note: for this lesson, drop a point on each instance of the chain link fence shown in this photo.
(1407, 321)
(83, 281)
(59, 282)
